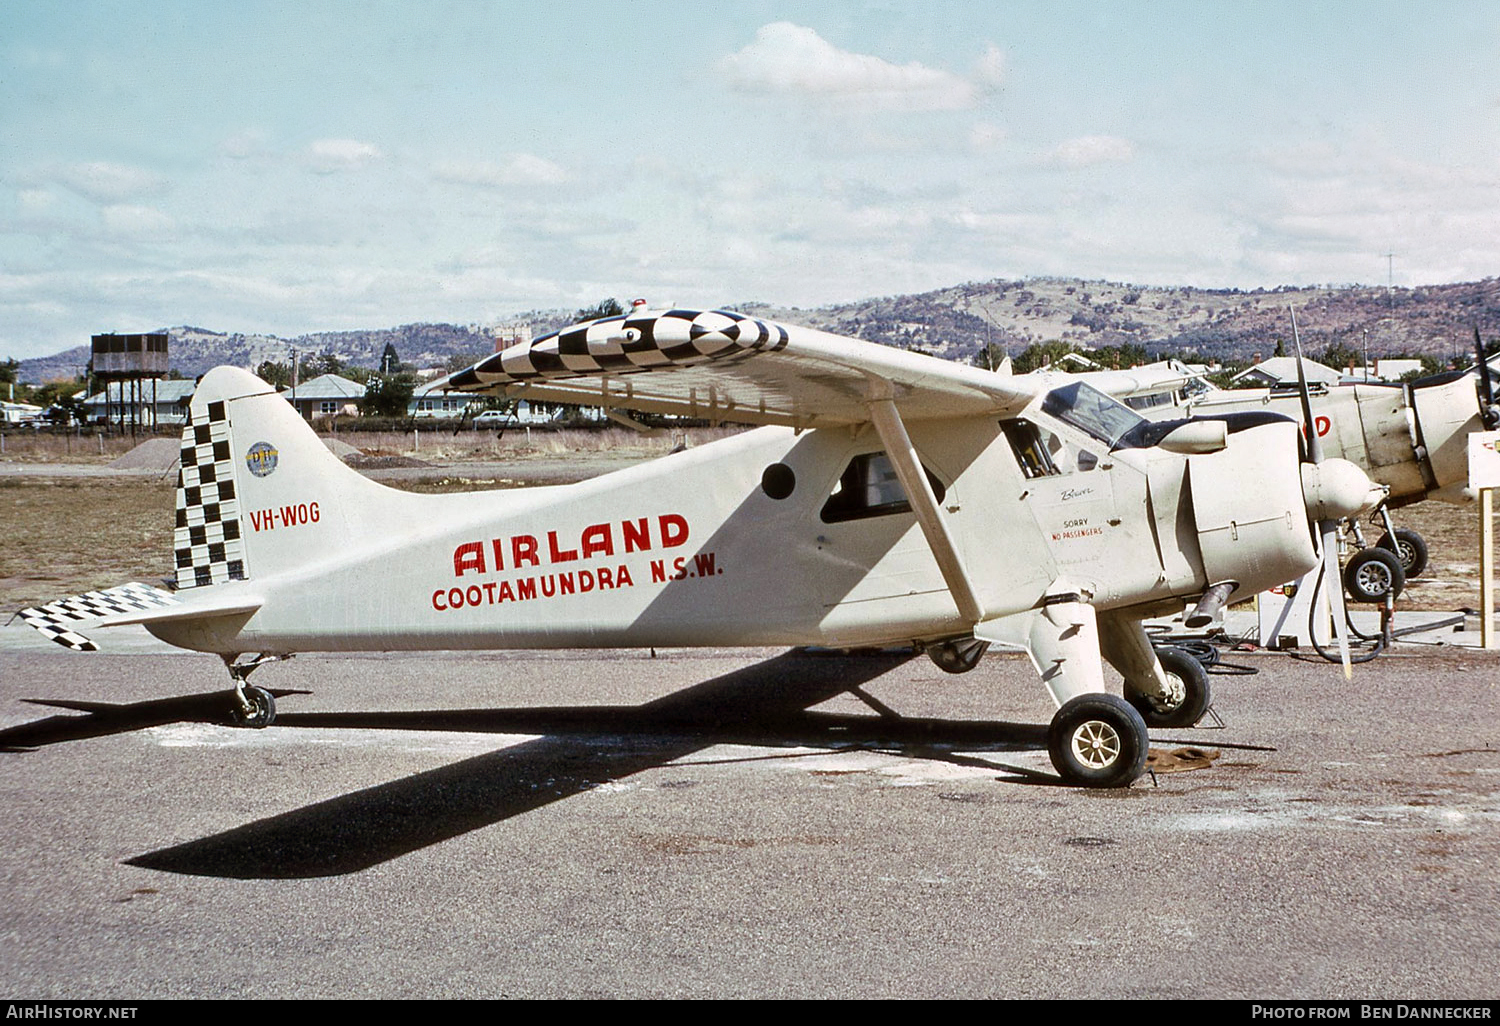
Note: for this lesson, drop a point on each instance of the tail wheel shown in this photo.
(1097, 741)
(1187, 692)
(261, 711)
(1372, 574)
(1410, 548)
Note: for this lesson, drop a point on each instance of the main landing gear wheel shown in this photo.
(1097, 740)
(1409, 547)
(261, 711)
(1188, 692)
(1372, 574)
(959, 656)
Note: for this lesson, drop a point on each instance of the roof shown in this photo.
(1284, 369)
(166, 390)
(326, 386)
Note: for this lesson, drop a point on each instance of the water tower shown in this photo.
(127, 362)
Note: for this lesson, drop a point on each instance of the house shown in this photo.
(1280, 370)
(430, 400)
(328, 395)
(150, 402)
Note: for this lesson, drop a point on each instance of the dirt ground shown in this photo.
(65, 535)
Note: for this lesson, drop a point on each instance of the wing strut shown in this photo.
(924, 503)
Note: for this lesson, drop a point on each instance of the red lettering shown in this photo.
(585, 581)
(559, 556)
(679, 568)
(703, 564)
(472, 595)
(526, 588)
(658, 571)
(455, 598)
(523, 550)
(674, 530)
(598, 538)
(637, 535)
(1322, 424)
(437, 600)
(622, 577)
(549, 586)
(506, 594)
(565, 584)
(312, 510)
(499, 551)
(606, 579)
(468, 556)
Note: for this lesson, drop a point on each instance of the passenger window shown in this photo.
(868, 487)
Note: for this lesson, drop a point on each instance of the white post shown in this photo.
(1486, 568)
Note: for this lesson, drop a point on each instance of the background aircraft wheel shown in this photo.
(958, 656)
(262, 709)
(1189, 683)
(1372, 574)
(1097, 741)
(1409, 547)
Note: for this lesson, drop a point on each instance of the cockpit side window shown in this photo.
(1090, 410)
(868, 487)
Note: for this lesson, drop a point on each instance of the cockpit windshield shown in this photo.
(1088, 409)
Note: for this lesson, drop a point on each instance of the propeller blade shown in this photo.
(1486, 387)
(1309, 426)
(1334, 584)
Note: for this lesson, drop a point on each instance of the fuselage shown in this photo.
(770, 537)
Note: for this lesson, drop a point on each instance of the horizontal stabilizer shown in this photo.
(117, 607)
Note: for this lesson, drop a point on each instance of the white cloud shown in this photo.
(326, 156)
(1086, 150)
(130, 219)
(989, 70)
(521, 169)
(787, 58)
(243, 144)
(105, 182)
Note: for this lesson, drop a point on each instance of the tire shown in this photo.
(1184, 672)
(1410, 547)
(1372, 574)
(1097, 741)
(262, 711)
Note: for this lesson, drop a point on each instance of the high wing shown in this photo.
(1149, 379)
(725, 366)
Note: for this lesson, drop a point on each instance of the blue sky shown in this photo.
(291, 167)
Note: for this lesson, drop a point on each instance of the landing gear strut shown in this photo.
(250, 706)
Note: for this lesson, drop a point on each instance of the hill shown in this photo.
(959, 321)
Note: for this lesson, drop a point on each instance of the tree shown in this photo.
(388, 395)
(390, 363)
(604, 308)
(273, 373)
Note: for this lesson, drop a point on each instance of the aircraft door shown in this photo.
(1090, 507)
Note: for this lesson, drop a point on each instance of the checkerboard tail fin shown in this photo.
(259, 493)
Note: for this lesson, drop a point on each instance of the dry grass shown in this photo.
(63, 536)
(470, 446)
(46, 447)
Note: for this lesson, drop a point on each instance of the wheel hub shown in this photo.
(1096, 744)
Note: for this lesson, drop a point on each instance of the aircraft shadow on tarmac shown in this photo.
(766, 704)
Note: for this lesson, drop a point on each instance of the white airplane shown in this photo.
(1410, 437)
(889, 498)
